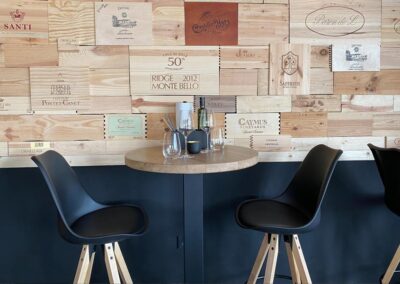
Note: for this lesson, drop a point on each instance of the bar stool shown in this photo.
(387, 161)
(295, 211)
(83, 221)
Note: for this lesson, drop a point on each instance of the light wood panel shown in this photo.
(304, 124)
(244, 57)
(386, 124)
(349, 124)
(51, 127)
(15, 105)
(316, 103)
(1, 56)
(71, 22)
(23, 55)
(238, 82)
(109, 82)
(390, 56)
(263, 82)
(321, 81)
(107, 104)
(392, 142)
(390, 22)
(261, 24)
(264, 104)
(105, 56)
(324, 22)
(14, 82)
(396, 103)
(157, 104)
(320, 56)
(367, 103)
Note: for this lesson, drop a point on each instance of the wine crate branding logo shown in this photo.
(125, 126)
(358, 56)
(244, 53)
(17, 15)
(16, 24)
(245, 125)
(253, 124)
(211, 23)
(290, 63)
(335, 21)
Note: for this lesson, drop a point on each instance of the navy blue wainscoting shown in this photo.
(353, 244)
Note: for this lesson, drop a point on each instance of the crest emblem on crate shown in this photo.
(17, 15)
(290, 63)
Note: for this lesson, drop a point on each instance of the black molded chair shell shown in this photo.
(82, 220)
(297, 209)
(388, 161)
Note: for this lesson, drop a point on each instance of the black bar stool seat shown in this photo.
(106, 225)
(274, 216)
(84, 221)
(295, 211)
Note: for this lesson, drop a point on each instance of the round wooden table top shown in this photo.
(231, 158)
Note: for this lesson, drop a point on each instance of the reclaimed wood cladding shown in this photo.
(74, 82)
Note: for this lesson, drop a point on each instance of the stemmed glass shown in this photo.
(186, 127)
(207, 125)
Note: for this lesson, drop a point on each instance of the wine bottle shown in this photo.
(202, 114)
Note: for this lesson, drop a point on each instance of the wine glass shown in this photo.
(207, 125)
(186, 127)
(171, 145)
(218, 139)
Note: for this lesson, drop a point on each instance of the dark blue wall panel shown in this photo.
(354, 243)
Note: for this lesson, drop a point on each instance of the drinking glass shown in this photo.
(171, 145)
(218, 139)
(207, 125)
(186, 127)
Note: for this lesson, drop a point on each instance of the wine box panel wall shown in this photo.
(93, 79)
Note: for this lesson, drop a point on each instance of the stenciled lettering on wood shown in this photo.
(223, 104)
(123, 23)
(356, 56)
(211, 23)
(175, 71)
(23, 21)
(245, 125)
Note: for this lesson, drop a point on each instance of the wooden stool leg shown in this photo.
(123, 269)
(300, 261)
(294, 271)
(271, 260)
(83, 265)
(111, 264)
(262, 253)
(392, 267)
(89, 271)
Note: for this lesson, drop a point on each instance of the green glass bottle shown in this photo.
(202, 114)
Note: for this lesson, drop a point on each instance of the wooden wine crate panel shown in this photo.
(157, 104)
(24, 55)
(2, 63)
(390, 56)
(316, 103)
(321, 81)
(70, 148)
(125, 127)
(396, 103)
(320, 56)
(245, 125)
(111, 104)
(168, 22)
(386, 124)
(343, 143)
(229, 1)
(244, 57)
(247, 104)
(261, 24)
(105, 56)
(391, 22)
(156, 126)
(51, 127)
(123, 146)
(23, 21)
(71, 22)
(262, 82)
(3, 149)
(59, 88)
(222, 104)
(324, 22)
(278, 143)
(349, 124)
(174, 70)
(15, 105)
(211, 23)
(392, 142)
(109, 82)
(297, 124)
(14, 82)
(238, 82)
(123, 23)
(289, 69)
(367, 103)
(385, 82)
